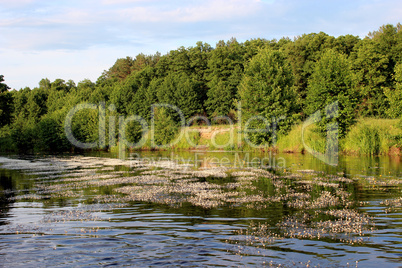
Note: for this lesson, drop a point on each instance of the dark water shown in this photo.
(240, 210)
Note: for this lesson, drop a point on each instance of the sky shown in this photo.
(79, 39)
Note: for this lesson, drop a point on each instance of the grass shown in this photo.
(374, 136)
(368, 136)
(222, 137)
(293, 141)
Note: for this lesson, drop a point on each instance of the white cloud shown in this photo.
(15, 3)
(209, 10)
(218, 10)
(119, 2)
(42, 38)
(370, 16)
(27, 69)
(83, 26)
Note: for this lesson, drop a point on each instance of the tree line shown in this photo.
(288, 79)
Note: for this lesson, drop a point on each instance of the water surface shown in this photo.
(200, 209)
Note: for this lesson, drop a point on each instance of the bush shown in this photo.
(85, 126)
(165, 127)
(6, 142)
(51, 135)
(23, 137)
(368, 140)
(134, 132)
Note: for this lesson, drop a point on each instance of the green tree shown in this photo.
(267, 96)
(182, 91)
(199, 56)
(226, 68)
(6, 103)
(120, 70)
(36, 104)
(60, 85)
(142, 61)
(51, 136)
(374, 60)
(253, 46)
(124, 95)
(303, 54)
(45, 84)
(23, 135)
(165, 127)
(56, 100)
(394, 96)
(83, 92)
(144, 98)
(162, 68)
(20, 100)
(331, 81)
(346, 43)
(3, 86)
(389, 37)
(220, 99)
(101, 92)
(85, 125)
(180, 61)
(371, 67)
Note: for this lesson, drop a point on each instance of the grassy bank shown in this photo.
(367, 136)
(374, 136)
(218, 137)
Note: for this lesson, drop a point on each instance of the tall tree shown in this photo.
(60, 85)
(346, 43)
(120, 70)
(50, 131)
(180, 61)
(182, 91)
(199, 57)
(331, 81)
(394, 96)
(371, 67)
(226, 68)
(267, 96)
(45, 84)
(3, 86)
(123, 95)
(36, 104)
(6, 103)
(303, 54)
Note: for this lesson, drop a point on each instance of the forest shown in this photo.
(288, 79)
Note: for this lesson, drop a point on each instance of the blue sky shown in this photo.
(78, 39)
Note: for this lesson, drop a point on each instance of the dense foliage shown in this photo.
(284, 81)
(268, 97)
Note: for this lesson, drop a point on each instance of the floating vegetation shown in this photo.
(348, 226)
(28, 197)
(392, 204)
(315, 206)
(70, 215)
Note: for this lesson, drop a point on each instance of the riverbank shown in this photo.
(368, 136)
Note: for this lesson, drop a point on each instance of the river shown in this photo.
(200, 209)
